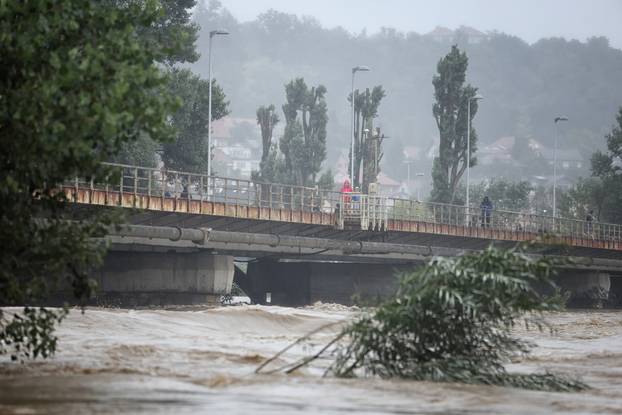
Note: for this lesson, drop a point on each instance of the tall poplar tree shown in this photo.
(303, 143)
(450, 112)
(366, 106)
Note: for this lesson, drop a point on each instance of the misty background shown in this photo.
(526, 83)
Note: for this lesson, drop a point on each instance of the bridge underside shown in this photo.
(167, 270)
(432, 235)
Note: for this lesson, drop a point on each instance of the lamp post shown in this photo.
(360, 68)
(557, 120)
(209, 107)
(419, 186)
(468, 153)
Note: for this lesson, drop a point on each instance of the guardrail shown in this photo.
(171, 184)
(405, 209)
(351, 209)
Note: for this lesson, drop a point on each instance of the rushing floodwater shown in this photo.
(203, 361)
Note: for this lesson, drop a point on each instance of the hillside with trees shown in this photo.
(525, 85)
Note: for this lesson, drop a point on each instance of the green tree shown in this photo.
(188, 152)
(586, 195)
(327, 180)
(452, 321)
(366, 154)
(175, 34)
(267, 118)
(76, 83)
(606, 167)
(450, 113)
(142, 152)
(303, 143)
(173, 31)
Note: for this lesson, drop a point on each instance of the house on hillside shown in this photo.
(567, 158)
(501, 151)
(388, 186)
(236, 144)
(498, 151)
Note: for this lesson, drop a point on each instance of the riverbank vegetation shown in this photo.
(452, 321)
(79, 80)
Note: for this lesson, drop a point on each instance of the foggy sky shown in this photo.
(527, 19)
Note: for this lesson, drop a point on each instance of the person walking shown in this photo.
(486, 208)
(346, 189)
(589, 218)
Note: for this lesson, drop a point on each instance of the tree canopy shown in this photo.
(366, 105)
(77, 81)
(451, 321)
(451, 114)
(188, 152)
(303, 143)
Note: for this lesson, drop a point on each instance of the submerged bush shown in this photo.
(452, 319)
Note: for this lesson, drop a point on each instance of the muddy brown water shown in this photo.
(203, 361)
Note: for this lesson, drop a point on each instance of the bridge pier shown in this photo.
(294, 283)
(137, 278)
(615, 290)
(587, 288)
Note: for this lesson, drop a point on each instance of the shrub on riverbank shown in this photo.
(451, 321)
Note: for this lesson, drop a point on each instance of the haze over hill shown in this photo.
(531, 20)
(525, 85)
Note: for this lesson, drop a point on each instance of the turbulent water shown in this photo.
(200, 361)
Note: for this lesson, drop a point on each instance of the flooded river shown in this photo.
(203, 361)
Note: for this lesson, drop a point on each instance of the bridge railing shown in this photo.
(171, 184)
(364, 211)
(446, 214)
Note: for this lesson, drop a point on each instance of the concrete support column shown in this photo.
(615, 290)
(162, 278)
(587, 288)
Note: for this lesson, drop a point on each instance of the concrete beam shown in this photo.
(252, 244)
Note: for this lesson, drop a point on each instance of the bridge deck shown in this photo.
(247, 209)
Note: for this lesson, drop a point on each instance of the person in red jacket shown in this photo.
(345, 189)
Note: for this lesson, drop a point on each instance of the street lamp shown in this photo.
(419, 186)
(468, 153)
(209, 106)
(557, 120)
(360, 68)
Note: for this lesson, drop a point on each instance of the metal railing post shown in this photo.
(121, 187)
(225, 188)
(248, 194)
(135, 187)
(149, 183)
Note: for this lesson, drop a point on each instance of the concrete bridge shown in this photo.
(305, 244)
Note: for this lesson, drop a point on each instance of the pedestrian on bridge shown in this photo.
(589, 218)
(486, 208)
(345, 190)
